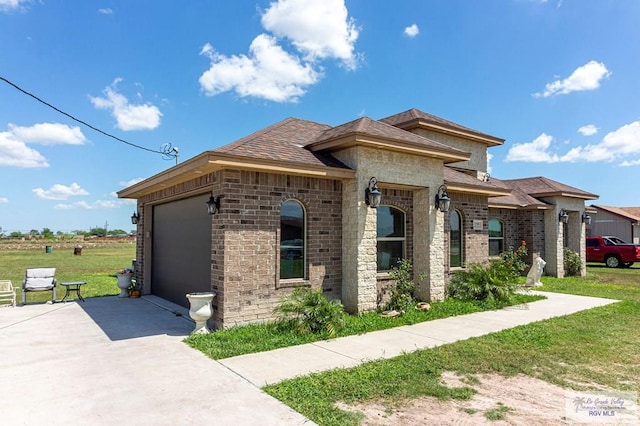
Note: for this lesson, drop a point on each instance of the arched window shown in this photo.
(390, 237)
(455, 239)
(292, 240)
(496, 237)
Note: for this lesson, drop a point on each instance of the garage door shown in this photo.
(181, 249)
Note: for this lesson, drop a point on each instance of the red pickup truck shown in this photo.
(613, 251)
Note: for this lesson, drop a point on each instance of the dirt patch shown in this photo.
(522, 400)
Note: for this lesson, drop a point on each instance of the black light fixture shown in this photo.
(135, 217)
(213, 205)
(586, 219)
(372, 194)
(563, 216)
(443, 202)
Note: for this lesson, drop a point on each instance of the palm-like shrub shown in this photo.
(495, 282)
(308, 311)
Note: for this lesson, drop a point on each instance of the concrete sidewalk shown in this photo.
(111, 361)
(274, 366)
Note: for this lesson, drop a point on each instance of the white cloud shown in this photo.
(59, 192)
(318, 28)
(619, 144)
(16, 153)
(130, 182)
(4, 200)
(411, 31)
(534, 152)
(96, 205)
(13, 143)
(588, 130)
(106, 11)
(7, 5)
(586, 77)
(48, 134)
(128, 116)
(268, 72)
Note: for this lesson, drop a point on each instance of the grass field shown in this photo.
(588, 350)
(96, 266)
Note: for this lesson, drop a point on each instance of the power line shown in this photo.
(78, 120)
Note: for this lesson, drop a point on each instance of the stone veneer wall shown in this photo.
(246, 238)
(478, 150)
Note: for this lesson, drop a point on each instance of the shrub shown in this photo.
(308, 311)
(514, 259)
(402, 289)
(572, 263)
(495, 282)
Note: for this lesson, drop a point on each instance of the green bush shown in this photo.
(572, 263)
(514, 259)
(495, 282)
(402, 289)
(308, 311)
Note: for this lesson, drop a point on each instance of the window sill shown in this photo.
(383, 276)
(292, 283)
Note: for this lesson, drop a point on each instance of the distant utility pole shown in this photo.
(105, 228)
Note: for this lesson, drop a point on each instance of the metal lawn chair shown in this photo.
(39, 279)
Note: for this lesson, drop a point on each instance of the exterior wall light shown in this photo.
(372, 194)
(563, 216)
(135, 217)
(443, 202)
(213, 205)
(586, 219)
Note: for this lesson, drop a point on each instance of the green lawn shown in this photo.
(96, 266)
(586, 350)
(261, 337)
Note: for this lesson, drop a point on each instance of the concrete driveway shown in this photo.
(112, 361)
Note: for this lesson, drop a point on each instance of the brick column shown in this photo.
(553, 242)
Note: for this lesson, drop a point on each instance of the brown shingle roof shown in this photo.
(517, 198)
(284, 141)
(365, 126)
(463, 182)
(415, 118)
(545, 187)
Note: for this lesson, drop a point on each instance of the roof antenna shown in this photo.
(169, 152)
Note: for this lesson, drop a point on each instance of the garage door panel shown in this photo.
(181, 249)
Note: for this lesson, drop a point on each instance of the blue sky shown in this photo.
(558, 79)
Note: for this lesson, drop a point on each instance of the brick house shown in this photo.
(293, 211)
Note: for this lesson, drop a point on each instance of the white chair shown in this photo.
(39, 279)
(7, 293)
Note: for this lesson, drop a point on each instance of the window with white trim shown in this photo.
(455, 239)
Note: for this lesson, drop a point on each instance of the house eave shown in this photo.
(565, 194)
(210, 161)
(395, 145)
(467, 134)
(476, 190)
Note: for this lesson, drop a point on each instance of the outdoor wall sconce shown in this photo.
(443, 202)
(586, 219)
(563, 216)
(213, 205)
(135, 217)
(372, 194)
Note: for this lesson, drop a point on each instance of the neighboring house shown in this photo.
(293, 212)
(621, 222)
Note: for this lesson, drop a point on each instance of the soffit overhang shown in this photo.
(209, 162)
(419, 123)
(389, 144)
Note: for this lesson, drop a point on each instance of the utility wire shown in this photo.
(77, 119)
